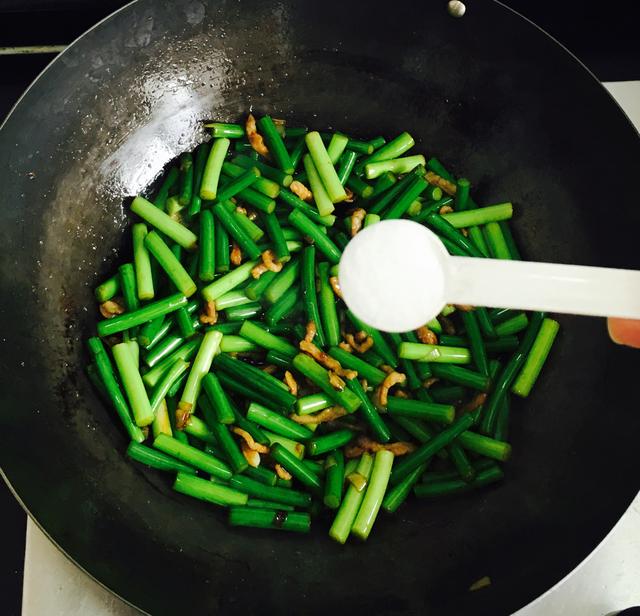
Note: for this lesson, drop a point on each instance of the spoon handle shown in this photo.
(574, 289)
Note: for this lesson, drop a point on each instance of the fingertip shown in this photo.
(624, 331)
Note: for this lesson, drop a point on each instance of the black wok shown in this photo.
(489, 94)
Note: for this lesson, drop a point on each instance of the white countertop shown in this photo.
(607, 581)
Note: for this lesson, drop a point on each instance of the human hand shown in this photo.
(624, 331)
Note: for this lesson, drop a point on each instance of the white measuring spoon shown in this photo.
(396, 275)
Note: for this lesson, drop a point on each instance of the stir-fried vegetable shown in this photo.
(226, 344)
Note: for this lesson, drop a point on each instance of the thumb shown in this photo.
(625, 331)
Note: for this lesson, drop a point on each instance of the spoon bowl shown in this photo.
(393, 275)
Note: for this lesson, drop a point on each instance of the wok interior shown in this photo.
(491, 115)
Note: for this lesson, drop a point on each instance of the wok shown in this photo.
(492, 96)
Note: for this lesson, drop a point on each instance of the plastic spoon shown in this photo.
(396, 275)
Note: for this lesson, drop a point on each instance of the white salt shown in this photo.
(392, 275)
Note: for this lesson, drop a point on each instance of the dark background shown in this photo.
(603, 35)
